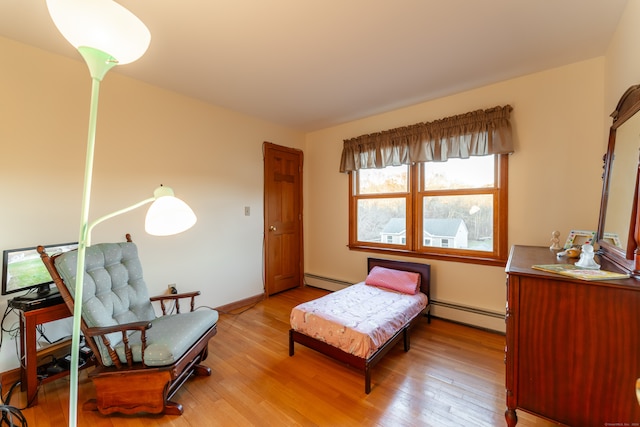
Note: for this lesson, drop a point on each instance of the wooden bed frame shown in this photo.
(360, 363)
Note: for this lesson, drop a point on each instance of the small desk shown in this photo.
(29, 320)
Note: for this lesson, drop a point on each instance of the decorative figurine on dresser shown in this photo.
(587, 258)
(555, 241)
(573, 345)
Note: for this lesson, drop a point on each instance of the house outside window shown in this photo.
(441, 230)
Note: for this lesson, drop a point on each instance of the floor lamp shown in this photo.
(107, 34)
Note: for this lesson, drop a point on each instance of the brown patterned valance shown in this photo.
(477, 133)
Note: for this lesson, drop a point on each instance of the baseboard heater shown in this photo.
(474, 310)
(323, 282)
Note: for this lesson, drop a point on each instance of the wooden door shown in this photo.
(282, 218)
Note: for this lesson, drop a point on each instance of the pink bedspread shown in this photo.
(357, 319)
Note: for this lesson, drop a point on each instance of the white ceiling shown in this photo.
(310, 64)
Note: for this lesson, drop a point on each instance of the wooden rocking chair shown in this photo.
(142, 360)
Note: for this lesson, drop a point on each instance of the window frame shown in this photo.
(414, 245)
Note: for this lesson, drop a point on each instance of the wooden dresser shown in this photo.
(573, 346)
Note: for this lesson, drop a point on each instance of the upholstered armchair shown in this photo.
(141, 359)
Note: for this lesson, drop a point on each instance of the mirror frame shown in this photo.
(626, 258)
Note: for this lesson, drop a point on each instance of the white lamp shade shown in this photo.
(169, 215)
(101, 24)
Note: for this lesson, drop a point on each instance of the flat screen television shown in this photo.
(23, 270)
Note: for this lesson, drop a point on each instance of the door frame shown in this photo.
(266, 148)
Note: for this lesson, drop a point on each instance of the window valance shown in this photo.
(477, 133)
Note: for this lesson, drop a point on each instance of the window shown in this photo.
(433, 189)
(455, 210)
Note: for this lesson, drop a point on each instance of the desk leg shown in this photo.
(30, 369)
(23, 371)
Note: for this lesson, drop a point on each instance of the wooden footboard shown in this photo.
(356, 362)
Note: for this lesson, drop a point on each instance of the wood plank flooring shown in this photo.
(452, 376)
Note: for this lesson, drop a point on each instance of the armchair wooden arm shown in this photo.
(176, 298)
(102, 332)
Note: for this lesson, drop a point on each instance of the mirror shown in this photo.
(617, 227)
(624, 164)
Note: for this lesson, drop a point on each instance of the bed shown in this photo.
(346, 324)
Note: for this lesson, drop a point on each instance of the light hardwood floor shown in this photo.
(452, 376)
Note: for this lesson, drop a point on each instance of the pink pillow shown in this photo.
(396, 280)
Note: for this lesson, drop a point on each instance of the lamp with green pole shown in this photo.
(107, 34)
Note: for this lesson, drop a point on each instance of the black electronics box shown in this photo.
(34, 301)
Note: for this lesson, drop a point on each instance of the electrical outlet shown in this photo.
(173, 289)
(247, 211)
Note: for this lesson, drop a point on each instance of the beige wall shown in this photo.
(554, 178)
(622, 65)
(146, 136)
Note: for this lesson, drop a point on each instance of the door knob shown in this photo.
(272, 228)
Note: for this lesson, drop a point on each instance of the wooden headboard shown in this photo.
(423, 269)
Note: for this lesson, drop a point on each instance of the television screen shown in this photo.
(22, 269)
